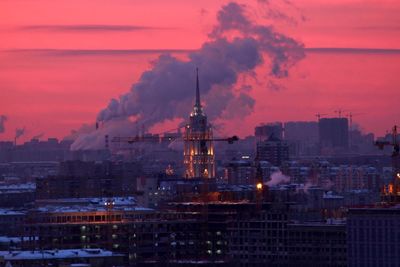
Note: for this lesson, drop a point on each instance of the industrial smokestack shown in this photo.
(18, 133)
(3, 119)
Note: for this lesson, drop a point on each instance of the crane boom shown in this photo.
(137, 139)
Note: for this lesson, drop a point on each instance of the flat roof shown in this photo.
(56, 254)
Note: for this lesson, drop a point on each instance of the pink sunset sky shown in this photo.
(62, 61)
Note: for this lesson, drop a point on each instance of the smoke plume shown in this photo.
(278, 178)
(38, 136)
(3, 119)
(236, 47)
(19, 132)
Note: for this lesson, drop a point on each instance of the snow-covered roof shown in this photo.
(56, 254)
(5, 212)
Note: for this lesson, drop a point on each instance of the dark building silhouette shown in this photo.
(262, 132)
(317, 244)
(334, 133)
(78, 179)
(302, 137)
(373, 237)
(273, 150)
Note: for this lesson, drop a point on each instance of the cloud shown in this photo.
(351, 50)
(86, 139)
(84, 129)
(236, 46)
(273, 10)
(378, 28)
(94, 52)
(88, 28)
(3, 119)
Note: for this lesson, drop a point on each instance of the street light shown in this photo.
(259, 186)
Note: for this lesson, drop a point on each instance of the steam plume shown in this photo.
(278, 178)
(236, 46)
(38, 136)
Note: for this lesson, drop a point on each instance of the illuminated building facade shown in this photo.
(198, 138)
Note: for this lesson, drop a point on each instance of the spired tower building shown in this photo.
(198, 142)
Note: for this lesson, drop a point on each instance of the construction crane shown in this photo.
(319, 115)
(350, 116)
(339, 112)
(391, 193)
(137, 139)
(132, 139)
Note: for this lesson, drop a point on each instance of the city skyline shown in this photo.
(62, 68)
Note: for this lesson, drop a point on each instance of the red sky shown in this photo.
(51, 93)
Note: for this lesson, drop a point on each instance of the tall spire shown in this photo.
(198, 103)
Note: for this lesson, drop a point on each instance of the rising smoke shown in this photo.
(278, 178)
(19, 132)
(38, 136)
(3, 119)
(236, 46)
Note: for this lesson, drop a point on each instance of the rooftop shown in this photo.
(5, 211)
(66, 205)
(56, 254)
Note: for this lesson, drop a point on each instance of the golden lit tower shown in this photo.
(199, 148)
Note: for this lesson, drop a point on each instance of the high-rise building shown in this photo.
(302, 137)
(334, 133)
(263, 132)
(198, 143)
(273, 150)
(304, 131)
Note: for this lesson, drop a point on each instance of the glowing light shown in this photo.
(398, 175)
(390, 189)
(259, 186)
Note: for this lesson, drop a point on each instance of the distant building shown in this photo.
(243, 172)
(273, 150)
(90, 179)
(17, 195)
(346, 178)
(198, 144)
(11, 221)
(302, 137)
(35, 150)
(262, 132)
(334, 134)
(361, 143)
